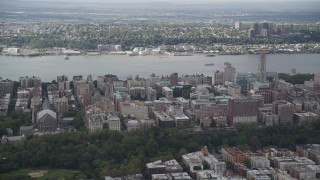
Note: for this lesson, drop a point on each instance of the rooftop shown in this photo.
(167, 89)
(156, 164)
(26, 128)
(209, 174)
(301, 168)
(47, 111)
(159, 177)
(181, 176)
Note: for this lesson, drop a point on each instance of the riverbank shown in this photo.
(156, 55)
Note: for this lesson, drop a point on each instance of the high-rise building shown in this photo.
(262, 73)
(63, 83)
(62, 78)
(217, 78)
(267, 26)
(263, 29)
(317, 77)
(284, 29)
(174, 79)
(36, 104)
(6, 86)
(264, 33)
(229, 72)
(251, 33)
(238, 25)
(285, 111)
(29, 82)
(256, 28)
(244, 80)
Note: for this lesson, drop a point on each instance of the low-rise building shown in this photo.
(164, 120)
(282, 175)
(133, 125)
(259, 162)
(234, 89)
(311, 151)
(151, 94)
(174, 110)
(156, 167)
(316, 169)
(233, 155)
(167, 92)
(213, 110)
(240, 169)
(160, 177)
(137, 92)
(302, 172)
(181, 120)
(209, 175)
(260, 174)
(194, 161)
(47, 121)
(135, 108)
(161, 104)
(12, 139)
(95, 122)
(221, 121)
(299, 118)
(26, 130)
(180, 176)
(222, 90)
(284, 163)
(114, 122)
(183, 102)
(172, 166)
(269, 119)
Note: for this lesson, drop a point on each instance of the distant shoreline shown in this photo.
(156, 55)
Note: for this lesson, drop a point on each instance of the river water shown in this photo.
(49, 67)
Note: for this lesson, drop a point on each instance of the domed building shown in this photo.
(201, 92)
(47, 121)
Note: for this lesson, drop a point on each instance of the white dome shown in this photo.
(202, 90)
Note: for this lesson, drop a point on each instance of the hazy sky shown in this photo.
(177, 1)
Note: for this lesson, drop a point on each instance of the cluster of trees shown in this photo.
(77, 122)
(130, 39)
(16, 119)
(182, 92)
(113, 153)
(13, 121)
(296, 79)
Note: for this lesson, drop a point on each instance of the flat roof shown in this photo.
(167, 88)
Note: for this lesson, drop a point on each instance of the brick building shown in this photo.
(243, 111)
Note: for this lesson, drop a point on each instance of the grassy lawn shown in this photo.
(47, 174)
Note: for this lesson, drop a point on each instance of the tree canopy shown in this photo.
(113, 153)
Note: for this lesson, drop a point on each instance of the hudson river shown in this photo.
(49, 67)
